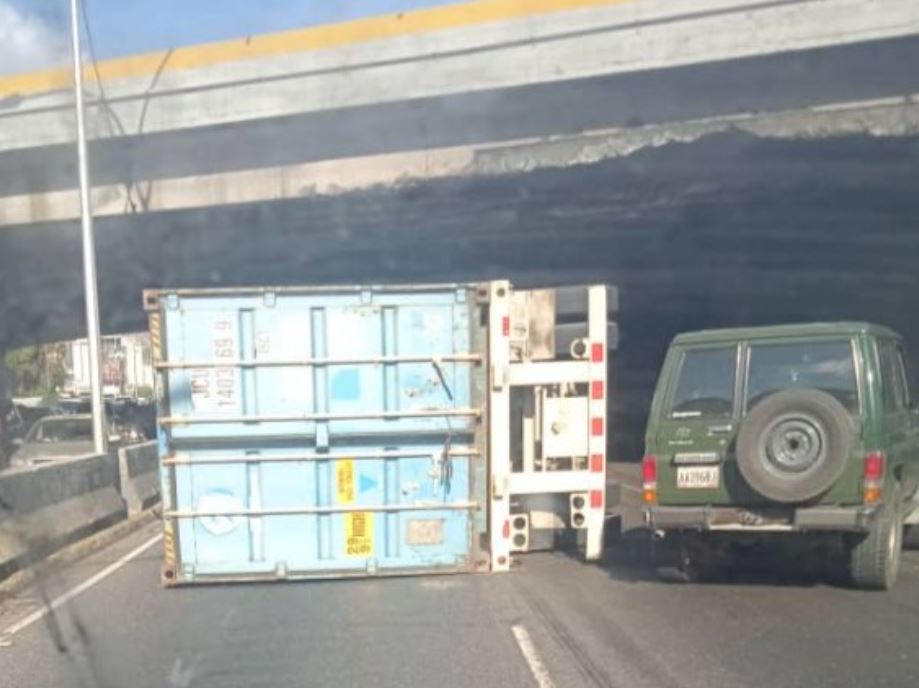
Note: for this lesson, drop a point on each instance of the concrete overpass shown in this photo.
(474, 88)
(724, 161)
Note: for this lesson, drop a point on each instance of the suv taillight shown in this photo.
(649, 479)
(873, 477)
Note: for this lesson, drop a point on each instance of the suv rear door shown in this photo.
(829, 364)
(697, 424)
(710, 389)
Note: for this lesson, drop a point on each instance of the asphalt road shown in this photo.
(608, 624)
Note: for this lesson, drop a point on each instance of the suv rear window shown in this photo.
(827, 366)
(706, 383)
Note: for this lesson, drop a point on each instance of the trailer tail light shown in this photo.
(873, 477)
(649, 479)
(596, 390)
(506, 530)
(506, 326)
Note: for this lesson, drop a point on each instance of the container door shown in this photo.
(324, 434)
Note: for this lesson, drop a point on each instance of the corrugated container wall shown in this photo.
(321, 432)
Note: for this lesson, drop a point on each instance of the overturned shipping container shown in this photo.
(329, 432)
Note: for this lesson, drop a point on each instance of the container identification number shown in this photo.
(359, 534)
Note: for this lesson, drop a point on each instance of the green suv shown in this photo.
(792, 431)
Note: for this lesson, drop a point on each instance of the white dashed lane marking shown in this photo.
(538, 669)
(77, 590)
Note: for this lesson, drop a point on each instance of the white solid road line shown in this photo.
(540, 673)
(79, 589)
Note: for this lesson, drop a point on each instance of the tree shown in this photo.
(37, 370)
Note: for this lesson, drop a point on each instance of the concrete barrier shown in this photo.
(139, 476)
(45, 507)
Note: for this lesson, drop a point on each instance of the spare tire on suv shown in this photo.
(793, 445)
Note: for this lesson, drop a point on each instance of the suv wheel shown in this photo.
(793, 445)
(874, 558)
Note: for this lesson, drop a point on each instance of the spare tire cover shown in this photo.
(793, 445)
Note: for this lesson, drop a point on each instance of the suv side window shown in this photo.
(905, 373)
(893, 381)
(705, 383)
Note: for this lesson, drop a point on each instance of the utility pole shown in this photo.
(93, 335)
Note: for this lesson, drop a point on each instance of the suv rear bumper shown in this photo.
(817, 518)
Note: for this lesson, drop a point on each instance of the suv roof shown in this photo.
(793, 330)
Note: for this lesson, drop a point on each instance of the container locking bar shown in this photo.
(306, 510)
(186, 460)
(306, 362)
(307, 417)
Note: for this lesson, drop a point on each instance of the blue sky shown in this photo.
(33, 32)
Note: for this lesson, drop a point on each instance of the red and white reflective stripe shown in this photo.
(596, 499)
(596, 426)
(597, 463)
(596, 443)
(597, 390)
(597, 353)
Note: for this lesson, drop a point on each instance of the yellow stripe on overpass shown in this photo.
(298, 40)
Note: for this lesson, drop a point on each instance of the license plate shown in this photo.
(698, 477)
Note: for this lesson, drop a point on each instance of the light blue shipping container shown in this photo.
(320, 432)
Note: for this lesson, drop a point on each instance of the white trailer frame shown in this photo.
(590, 483)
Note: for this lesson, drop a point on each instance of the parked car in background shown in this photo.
(31, 414)
(134, 419)
(16, 419)
(38, 433)
(11, 429)
(809, 431)
(57, 438)
(75, 405)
